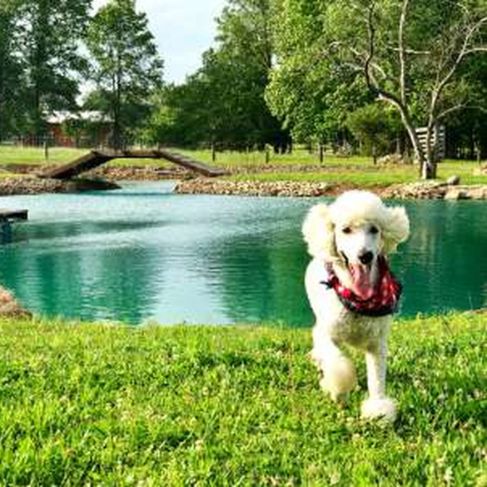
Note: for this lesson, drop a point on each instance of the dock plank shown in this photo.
(7, 214)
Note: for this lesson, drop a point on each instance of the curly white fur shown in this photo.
(335, 325)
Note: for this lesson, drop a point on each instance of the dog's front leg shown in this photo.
(378, 405)
(338, 372)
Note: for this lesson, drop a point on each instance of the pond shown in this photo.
(143, 253)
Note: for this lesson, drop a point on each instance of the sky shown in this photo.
(183, 30)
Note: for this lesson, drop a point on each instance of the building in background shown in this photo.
(78, 129)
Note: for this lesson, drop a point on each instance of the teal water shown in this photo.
(143, 253)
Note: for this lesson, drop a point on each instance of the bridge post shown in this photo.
(6, 230)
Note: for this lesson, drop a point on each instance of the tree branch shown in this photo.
(410, 51)
(402, 52)
(476, 49)
(460, 106)
(464, 50)
(452, 109)
(383, 94)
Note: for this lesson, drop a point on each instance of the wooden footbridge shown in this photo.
(96, 158)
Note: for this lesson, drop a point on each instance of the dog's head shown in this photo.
(353, 231)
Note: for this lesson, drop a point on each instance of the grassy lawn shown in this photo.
(106, 405)
(369, 176)
(343, 170)
(62, 155)
(298, 166)
(35, 155)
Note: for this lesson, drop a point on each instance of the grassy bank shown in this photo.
(250, 166)
(62, 155)
(92, 404)
(353, 170)
(369, 176)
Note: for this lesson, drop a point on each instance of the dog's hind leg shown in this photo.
(338, 372)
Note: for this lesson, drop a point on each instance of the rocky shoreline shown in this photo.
(417, 190)
(139, 173)
(104, 178)
(35, 185)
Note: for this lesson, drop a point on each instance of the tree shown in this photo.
(12, 82)
(311, 96)
(223, 102)
(375, 127)
(434, 80)
(126, 65)
(51, 34)
(241, 67)
(407, 54)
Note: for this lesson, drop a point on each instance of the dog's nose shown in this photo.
(366, 257)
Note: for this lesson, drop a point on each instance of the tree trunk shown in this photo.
(428, 169)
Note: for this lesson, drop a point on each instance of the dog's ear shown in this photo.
(319, 232)
(395, 228)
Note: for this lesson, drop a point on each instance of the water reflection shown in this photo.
(142, 253)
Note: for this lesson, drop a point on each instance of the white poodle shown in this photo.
(352, 292)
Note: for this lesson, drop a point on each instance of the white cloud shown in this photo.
(183, 30)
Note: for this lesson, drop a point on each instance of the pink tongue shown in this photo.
(362, 285)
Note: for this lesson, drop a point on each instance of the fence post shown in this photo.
(213, 152)
(267, 154)
(46, 148)
(321, 152)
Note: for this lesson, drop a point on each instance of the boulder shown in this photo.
(391, 159)
(480, 171)
(456, 194)
(453, 180)
(10, 307)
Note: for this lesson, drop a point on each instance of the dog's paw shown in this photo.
(316, 359)
(339, 378)
(382, 408)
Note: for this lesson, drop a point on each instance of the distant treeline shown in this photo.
(364, 75)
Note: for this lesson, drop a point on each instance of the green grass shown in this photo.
(298, 166)
(353, 170)
(35, 155)
(348, 177)
(62, 155)
(257, 158)
(107, 405)
(367, 175)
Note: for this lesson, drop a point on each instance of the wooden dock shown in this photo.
(7, 218)
(96, 158)
(13, 215)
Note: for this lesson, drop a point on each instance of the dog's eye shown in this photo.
(346, 230)
(374, 229)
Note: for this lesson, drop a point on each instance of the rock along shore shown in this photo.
(35, 185)
(417, 190)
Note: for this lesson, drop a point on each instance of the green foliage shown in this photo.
(223, 102)
(51, 31)
(11, 70)
(126, 66)
(323, 48)
(39, 59)
(375, 127)
(99, 404)
(308, 93)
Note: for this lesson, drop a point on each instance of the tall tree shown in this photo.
(223, 102)
(311, 96)
(410, 55)
(240, 68)
(52, 32)
(126, 65)
(11, 70)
